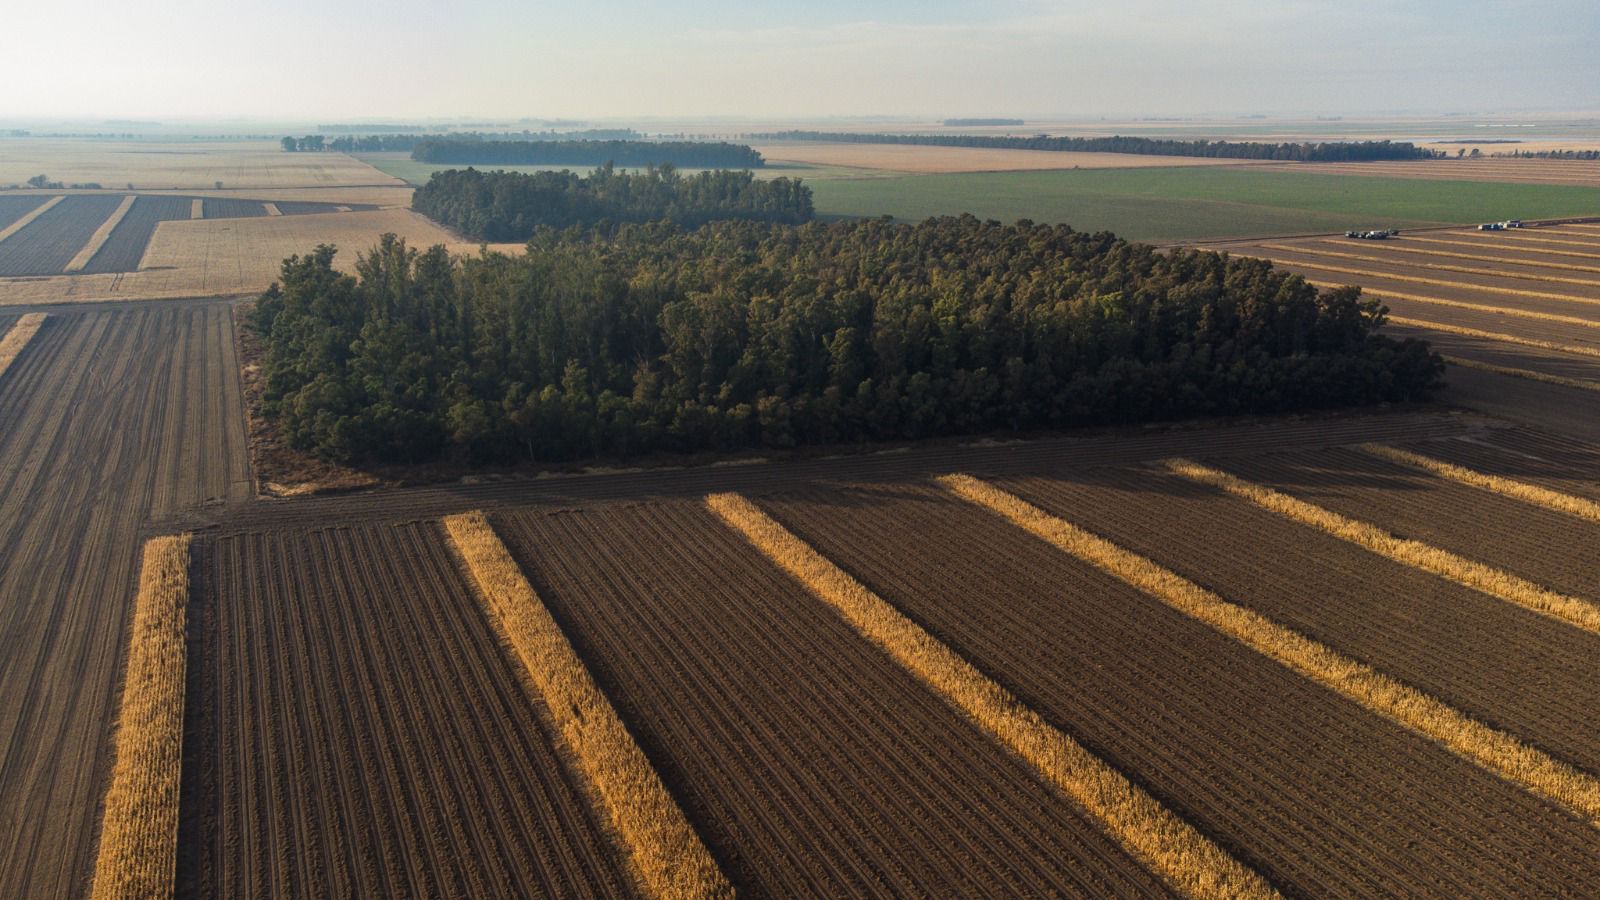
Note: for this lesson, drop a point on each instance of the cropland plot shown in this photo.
(1403, 275)
(186, 165)
(106, 420)
(1440, 318)
(124, 249)
(1499, 663)
(308, 207)
(49, 242)
(1281, 772)
(1549, 548)
(1478, 244)
(13, 208)
(809, 761)
(360, 731)
(1582, 367)
(1404, 251)
(1549, 460)
(232, 208)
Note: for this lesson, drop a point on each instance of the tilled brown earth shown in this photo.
(810, 762)
(1323, 797)
(1549, 460)
(357, 730)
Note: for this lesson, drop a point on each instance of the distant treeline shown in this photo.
(968, 123)
(405, 143)
(740, 334)
(1340, 151)
(509, 206)
(372, 129)
(1552, 154)
(629, 153)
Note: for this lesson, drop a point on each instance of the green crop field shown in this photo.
(1199, 203)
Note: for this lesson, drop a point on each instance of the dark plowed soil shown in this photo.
(357, 730)
(13, 208)
(48, 243)
(811, 763)
(1321, 796)
(1552, 461)
(231, 208)
(123, 250)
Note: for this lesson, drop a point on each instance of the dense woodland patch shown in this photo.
(1332, 151)
(508, 206)
(640, 338)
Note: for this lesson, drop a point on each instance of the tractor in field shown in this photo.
(1381, 234)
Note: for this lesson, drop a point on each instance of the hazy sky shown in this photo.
(325, 59)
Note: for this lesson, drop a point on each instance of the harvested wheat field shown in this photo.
(186, 165)
(931, 159)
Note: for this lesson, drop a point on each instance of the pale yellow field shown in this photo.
(919, 159)
(187, 165)
(209, 257)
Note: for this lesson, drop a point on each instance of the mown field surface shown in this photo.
(1201, 203)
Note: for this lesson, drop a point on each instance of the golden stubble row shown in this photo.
(138, 848)
(1582, 507)
(1527, 374)
(1386, 294)
(17, 337)
(1437, 267)
(664, 854)
(27, 220)
(1417, 279)
(1167, 844)
(1413, 239)
(100, 236)
(1495, 750)
(1496, 336)
(1449, 254)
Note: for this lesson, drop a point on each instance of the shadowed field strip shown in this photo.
(1462, 571)
(100, 236)
(26, 220)
(663, 851)
(1461, 304)
(1414, 279)
(1413, 239)
(17, 337)
(1496, 336)
(1529, 374)
(1582, 507)
(1172, 848)
(1462, 735)
(1440, 267)
(1417, 251)
(139, 831)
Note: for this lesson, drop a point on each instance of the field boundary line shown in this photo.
(1496, 336)
(138, 852)
(1462, 304)
(16, 339)
(100, 236)
(661, 848)
(1582, 507)
(1469, 246)
(1157, 837)
(1436, 282)
(27, 220)
(1528, 374)
(1461, 734)
(1436, 267)
(1420, 251)
(1485, 579)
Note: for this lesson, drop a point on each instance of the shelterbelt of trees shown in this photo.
(1338, 151)
(652, 338)
(684, 154)
(509, 206)
(404, 143)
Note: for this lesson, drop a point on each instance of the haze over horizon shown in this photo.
(1027, 58)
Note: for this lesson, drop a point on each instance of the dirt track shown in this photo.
(1282, 773)
(809, 761)
(105, 419)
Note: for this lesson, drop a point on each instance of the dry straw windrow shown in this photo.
(1414, 279)
(1496, 336)
(1541, 251)
(1477, 576)
(197, 208)
(1459, 733)
(1171, 847)
(1509, 260)
(17, 337)
(1528, 374)
(101, 235)
(139, 832)
(27, 220)
(1474, 307)
(272, 209)
(1582, 507)
(664, 854)
(1438, 267)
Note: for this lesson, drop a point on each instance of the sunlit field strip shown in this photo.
(17, 337)
(197, 208)
(138, 853)
(1465, 572)
(100, 236)
(1461, 304)
(1499, 237)
(1567, 231)
(1413, 239)
(1413, 279)
(272, 209)
(1171, 847)
(1529, 374)
(1459, 733)
(27, 220)
(1582, 507)
(664, 853)
(1509, 260)
(1496, 336)
(1465, 270)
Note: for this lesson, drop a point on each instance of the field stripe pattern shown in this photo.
(139, 831)
(1529, 374)
(101, 235)
(665, 853)
(1582, 507)
(1491, 748)
(1496, 336)
(28, 218)
(1186, 858)
(14, 339)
